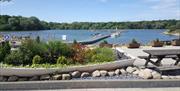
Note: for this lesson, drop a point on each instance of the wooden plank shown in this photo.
(163, 52)
(154, 57)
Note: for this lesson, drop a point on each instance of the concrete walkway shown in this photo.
(113, 89)
(139, 52)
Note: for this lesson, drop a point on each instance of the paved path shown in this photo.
(139, 52)
(113, 89)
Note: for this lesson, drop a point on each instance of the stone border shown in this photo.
(42, 85)
(28, 72)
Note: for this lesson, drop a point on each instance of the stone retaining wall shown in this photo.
(28, 72)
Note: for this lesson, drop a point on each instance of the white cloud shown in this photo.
(166, 7)
(6, 3)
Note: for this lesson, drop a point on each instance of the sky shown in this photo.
(93, 10)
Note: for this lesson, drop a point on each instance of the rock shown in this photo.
(135, 68)
(136, 72)
(66, 76)
(178, 77)
(96, 73)
(156, 75)
(23, 79)
(117, 72)
(57, 77)
(3, 79)
(13, 78)
(148, 70)
(34, 78)
(103, 73)
(146, 74)
(85, 74)
(45, 77)
(111, 73)
(76, 74)
(172, 77)
(123, 71)
(164, 77)
(130, 69)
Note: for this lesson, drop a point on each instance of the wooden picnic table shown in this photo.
(160, 54)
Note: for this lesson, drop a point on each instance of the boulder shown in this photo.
(45, 77)
(148, 70)
(178, 77)
(34, 78)
(130, 69)
(172, 77)
(123, 71)
(111, 73)
(3, 79)
(117, 72)
(156, 75)
(136, 72)
(85, 74)
(146, 74)
(96, 73)
(76, 74)
(165, 77)
(23, 79)
(66, 76)
(103, 73)
(57, 77)
(13, 78)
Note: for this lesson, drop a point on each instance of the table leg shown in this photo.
(177, 60)
(159, 58)
(147, 60)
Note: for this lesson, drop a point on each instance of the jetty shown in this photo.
(97, 38)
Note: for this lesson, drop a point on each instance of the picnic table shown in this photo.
(160, 54)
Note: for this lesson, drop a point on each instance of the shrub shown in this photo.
(103, 55)
(157, 40)
(4, 50)
(78, 53)
(14, 58)
(55, 49)
(37, 60)
(30, 48)
(62, 60)
(134, 41)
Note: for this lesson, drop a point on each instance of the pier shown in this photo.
(98, 38)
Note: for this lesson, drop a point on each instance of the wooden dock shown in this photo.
(96, 39)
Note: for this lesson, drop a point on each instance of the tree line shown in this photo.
(8, 23)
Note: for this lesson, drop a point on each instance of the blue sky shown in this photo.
(94, 10)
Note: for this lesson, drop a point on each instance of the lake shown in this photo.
(142, 35)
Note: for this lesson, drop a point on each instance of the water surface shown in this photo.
(142, 35)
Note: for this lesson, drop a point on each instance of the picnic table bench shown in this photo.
(160, 55)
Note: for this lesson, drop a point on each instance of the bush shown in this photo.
(103, 55)
(62, 60)
(14, 58)
(37, 60)
(134, 41)
(30, 48)
(100, 58)
(55, 49)
(79, 51)
(4, 50)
